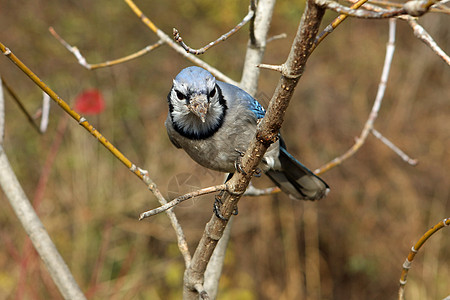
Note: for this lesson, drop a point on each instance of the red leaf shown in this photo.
(90, 102)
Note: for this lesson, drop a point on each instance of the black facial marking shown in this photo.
(212, 93)
(206, 134)
(180, 95)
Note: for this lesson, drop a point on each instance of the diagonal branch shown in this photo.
(358, 13)
(267, 133)
(142, 174)
(425, 37)
(178, 200)
(35, 229)
(20, 104)
(80, 119)
(375, 108)
(179, 39)
(412, 253)
(394, 148)
(336, 22)
(437, 7)
(174, 45)
(415, 8)
(82, 60)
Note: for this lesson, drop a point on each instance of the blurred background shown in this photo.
(350, 245)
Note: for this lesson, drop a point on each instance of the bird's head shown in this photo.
(193, 91)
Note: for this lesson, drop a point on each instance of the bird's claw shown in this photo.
(238, 162)
(216, 208)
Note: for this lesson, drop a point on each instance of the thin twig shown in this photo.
(175, 46)
(277, 68)
(364, 14)
(330, 27)
(254, 192)
(425, 37)
(20, 104)
(413, 8)
(394, 148)
(437, 7)
(276, 37)
(179, 39)
(413, 252)
(82, 60)
(178, 200)
(375, 108)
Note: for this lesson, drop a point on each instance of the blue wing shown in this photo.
(233, 92)
(255, 106)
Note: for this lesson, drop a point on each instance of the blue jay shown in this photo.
(214, 122)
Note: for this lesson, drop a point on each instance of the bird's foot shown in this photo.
(257, 173)
(238, 162)
(216, 208)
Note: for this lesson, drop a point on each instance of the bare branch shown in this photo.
(35, 229)
(20, 104)
(276, 37)
(283, 69)
(82, 60)
(425, 37)
(252, 191)
(412, 253)
(179, 39)
(336, 22)
(178, 200)
(364, 14)
(277, 68)
(80, 119)
(181, 239)
(375, 108)
(174, 45)
(394, 148)
(437, 7)
(256, 47)
(419, 31)
(415, 8)
(215, 265)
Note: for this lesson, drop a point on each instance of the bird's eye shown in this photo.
(180, 95)
(212, 93)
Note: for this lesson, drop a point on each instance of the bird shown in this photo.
(214, 122)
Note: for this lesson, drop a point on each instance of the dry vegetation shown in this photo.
(350, 245)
